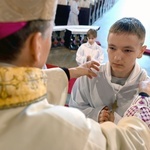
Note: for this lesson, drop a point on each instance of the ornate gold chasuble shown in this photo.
(21, 86)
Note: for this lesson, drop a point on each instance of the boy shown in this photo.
(90, 50)
(117, 82)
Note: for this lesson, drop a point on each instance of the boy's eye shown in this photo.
(128, 51)
(112, 48)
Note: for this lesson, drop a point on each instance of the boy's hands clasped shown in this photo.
(106, 115)
(89, 58)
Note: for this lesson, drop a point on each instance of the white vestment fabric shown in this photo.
(57, 86)
(43, 126)
(73, 15)
(86, 49)
(92, 95)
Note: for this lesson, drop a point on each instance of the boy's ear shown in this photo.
(142, 51)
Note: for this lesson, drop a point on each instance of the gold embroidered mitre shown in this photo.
(26, 10)
(21, 86)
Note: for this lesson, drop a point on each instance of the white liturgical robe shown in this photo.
(86, 49)
(74, 12)
(91, 96)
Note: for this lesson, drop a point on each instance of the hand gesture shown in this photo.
(85, 69)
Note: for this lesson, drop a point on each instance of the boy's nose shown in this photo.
(118, 56)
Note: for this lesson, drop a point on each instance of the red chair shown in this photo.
(70, 85)
(51, 66)
(147, 51)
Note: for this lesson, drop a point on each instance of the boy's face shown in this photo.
(91, 39)
(123, 49)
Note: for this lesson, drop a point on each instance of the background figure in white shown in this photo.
(63, 2)
(74, 12)
(90, 50)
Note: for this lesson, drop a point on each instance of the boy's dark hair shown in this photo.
(92, 32)
(11, 46)
(129, 26)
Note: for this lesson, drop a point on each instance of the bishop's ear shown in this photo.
(143, 48)
(36, 46)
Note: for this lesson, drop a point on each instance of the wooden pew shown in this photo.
(62, 14)
(84, 16)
